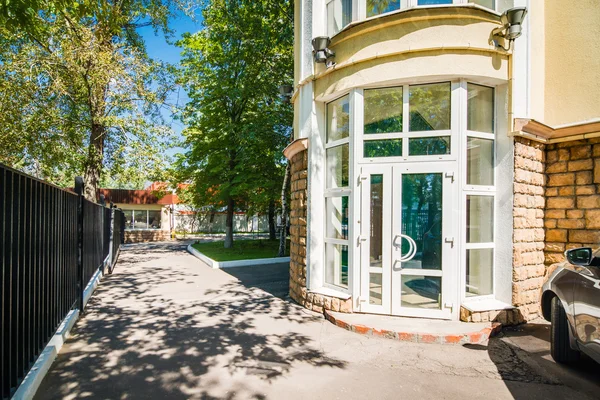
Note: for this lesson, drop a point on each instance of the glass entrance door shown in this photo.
(407, 240)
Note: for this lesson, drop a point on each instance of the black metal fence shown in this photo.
(42, 274)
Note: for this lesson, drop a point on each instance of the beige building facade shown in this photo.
(434, 158)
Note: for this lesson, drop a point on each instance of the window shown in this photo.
(433, 2)
(154, 219)
(426, 132)
(340, 13)
(479, 190)
(128, 219)
(429, 107)
(337, 193)
(383, 110)
(338, 143)
(142, 219)
(480, 135)
(485, 3)
(376, 7)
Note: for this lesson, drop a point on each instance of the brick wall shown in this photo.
(299, 174)
(298, 291)
(572, 216)
(528, 224)
(147, 236)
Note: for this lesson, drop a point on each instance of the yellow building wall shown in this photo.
(572, 54)
(416, 45)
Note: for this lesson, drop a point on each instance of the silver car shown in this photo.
(571, 301)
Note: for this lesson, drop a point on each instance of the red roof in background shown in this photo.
(148, 196)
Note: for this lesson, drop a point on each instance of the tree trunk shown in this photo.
(93, 165)
(283, 226)
(229, 224)
(272, 232)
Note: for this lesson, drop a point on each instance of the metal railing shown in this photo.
(53, 241)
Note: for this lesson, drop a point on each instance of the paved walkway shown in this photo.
(164, 325)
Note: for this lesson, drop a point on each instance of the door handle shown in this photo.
(412, 247)
(449, 240)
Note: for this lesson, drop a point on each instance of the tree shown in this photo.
(78, 92)
(237, 125)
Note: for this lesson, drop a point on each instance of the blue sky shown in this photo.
(158, 48)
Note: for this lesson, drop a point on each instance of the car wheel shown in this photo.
(560, 346)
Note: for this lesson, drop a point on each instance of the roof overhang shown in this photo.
(535, 130)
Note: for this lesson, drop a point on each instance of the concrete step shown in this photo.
(421, 330)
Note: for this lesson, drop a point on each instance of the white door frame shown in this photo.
(392, 226)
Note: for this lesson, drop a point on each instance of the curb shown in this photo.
(37, 373)
(237, 263)
(477, 337)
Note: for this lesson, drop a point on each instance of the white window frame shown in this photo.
(476, 190)
(359, 10)
(133, 211)
(406, 134)
(340, 192)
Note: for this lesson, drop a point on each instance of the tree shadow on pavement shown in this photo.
(522, 356)
(146, 333)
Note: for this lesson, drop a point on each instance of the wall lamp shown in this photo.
(512, 21)
(321, 52)
(286, 91)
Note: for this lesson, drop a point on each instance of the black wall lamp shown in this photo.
(321, 51)
(512, 26)
(286, 91)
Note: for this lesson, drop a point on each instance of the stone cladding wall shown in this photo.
(572, 216)
(528, 227)
(147, 236)
(298, 206)
(299, 174)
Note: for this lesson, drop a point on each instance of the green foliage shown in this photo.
(237, 124)
(245, 250)
(78, 93)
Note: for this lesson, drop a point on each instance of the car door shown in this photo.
(586, 296)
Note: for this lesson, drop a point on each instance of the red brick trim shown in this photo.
(476, 337)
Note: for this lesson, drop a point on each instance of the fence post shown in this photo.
(110, 239)
(80, 284)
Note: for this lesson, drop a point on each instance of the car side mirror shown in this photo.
(580, 256)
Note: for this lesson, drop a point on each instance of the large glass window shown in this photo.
(480, 219)
(337, 217)
(339, 14)
(338, 160)
(154, 219)
(338, 119)
(336, 261)
(337, 193)
(485, 3)
(433, 2)
(429, 129)
(142, 219)
(429, 107)
(480, 161)
(383, 110)
(480, 114)
(480, 266)
(128, 219)
(480, 190)
(376, 7)
(383, 148)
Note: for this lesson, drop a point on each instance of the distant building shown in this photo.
(157, 214)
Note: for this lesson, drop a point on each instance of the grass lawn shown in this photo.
(242, 249)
